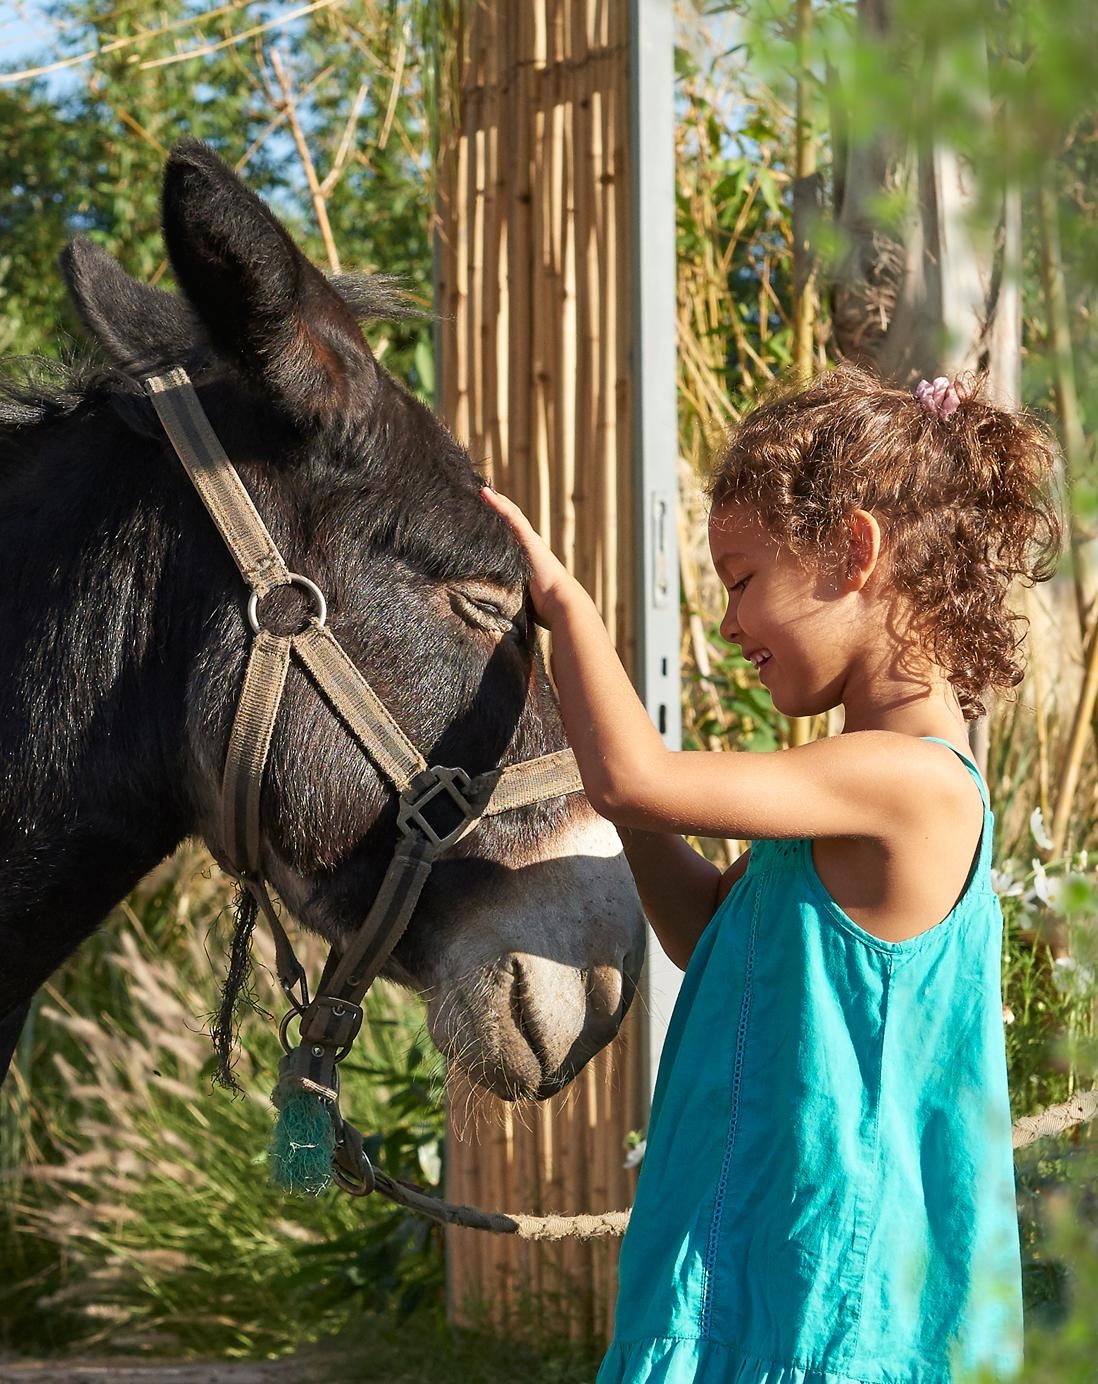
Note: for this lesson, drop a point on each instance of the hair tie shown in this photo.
(939, 396)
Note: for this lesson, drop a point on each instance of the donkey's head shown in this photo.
(528, 937)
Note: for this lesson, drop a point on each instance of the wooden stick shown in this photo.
(263, 28)
(319, 200)
(520, 263)
(804, 276)
(1040, 717)
(394, 95)
(1080, 732)
(347, 139)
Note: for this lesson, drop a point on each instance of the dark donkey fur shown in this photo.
(123, 615)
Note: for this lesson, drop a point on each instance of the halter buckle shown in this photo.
(424, 788)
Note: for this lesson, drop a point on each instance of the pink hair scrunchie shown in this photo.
(938, 396)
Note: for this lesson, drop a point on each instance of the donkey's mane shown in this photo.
(37, 389)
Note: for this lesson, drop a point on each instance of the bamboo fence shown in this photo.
(534, 291)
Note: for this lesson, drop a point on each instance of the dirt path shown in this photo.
(130, 1371)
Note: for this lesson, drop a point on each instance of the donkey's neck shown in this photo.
(92, 687)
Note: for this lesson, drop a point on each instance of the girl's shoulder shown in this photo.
(917, 767)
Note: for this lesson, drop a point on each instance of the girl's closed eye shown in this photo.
(741, 583)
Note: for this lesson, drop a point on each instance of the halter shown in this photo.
(330, 1021)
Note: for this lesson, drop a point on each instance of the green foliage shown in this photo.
(89, 159)
(745, 704)
(1058, 1201)
(734, 242)
(1049, 993)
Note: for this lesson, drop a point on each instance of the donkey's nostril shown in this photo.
(522, 1012)
(604, 996)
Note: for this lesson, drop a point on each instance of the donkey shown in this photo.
(125, 643)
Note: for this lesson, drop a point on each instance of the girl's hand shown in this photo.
(552, 586)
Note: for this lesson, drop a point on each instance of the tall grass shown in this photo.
(137, 1212)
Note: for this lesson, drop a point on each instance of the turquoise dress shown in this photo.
(827, 1194)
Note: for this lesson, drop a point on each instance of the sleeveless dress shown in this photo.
(827, 1194)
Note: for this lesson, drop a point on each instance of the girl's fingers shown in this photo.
(498, 501)
(510, 511)
(547, 574)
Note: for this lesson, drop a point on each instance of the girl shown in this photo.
(827, 1195)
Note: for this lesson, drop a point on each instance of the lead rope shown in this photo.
(1057, 1119)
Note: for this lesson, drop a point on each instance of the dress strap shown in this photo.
(985, 836)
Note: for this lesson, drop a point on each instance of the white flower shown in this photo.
(1005, 885)
(1008, 1014)
(429, 1158)
(1071, 979)
(1049, 891)
(635, 1154)
(1037, 830)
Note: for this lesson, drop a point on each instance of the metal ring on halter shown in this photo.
(296, 579)
(287, 1046)
(352, 1170)
(284, 1025)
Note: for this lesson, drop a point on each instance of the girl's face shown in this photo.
(804, 620)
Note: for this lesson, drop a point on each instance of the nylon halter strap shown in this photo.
(331, 1020)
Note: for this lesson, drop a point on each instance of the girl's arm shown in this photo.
(855, 785)
(679, 889)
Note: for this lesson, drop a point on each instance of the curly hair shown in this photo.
(965, 503)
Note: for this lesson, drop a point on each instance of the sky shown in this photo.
(27, 39)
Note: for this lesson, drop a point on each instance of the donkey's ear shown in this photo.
(261, 302)
(140, 328)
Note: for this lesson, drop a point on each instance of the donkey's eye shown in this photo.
(477, 609)
(490, 608)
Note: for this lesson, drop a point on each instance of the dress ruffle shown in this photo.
(684, 1360)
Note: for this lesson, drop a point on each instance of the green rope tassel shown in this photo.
(303, 1141)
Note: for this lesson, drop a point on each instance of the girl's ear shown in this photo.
(865, 547)
(262, 304)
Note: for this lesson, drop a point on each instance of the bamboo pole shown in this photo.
(1040, 717)
(459, 419)
(588, 458)
(1083, 545)
(1080, 727)
(538, 287)
(566, 452)
(520, 259)
(617, 518)
(804, 308)
(464, 1249)
(804, 302)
